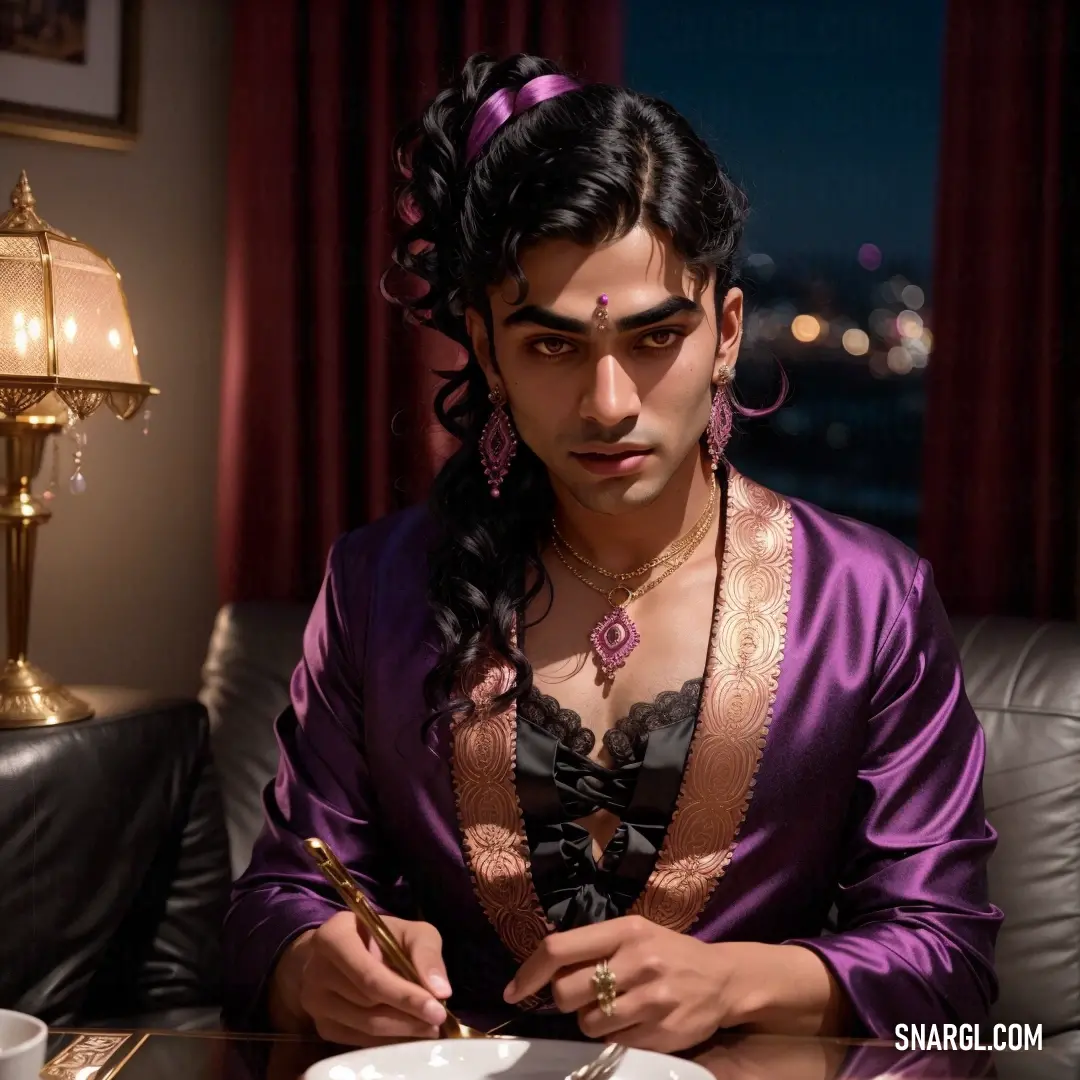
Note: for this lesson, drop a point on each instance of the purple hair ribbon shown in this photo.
(505, 103)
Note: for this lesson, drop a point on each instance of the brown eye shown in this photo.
(550, 346)
(662, 339)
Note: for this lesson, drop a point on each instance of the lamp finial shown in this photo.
(22, 197)
(22, 217)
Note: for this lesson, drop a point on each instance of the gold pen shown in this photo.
(395, 956)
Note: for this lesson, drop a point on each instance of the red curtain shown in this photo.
(999, 491)
(326, 418)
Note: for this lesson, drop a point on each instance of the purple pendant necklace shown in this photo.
(616, 636)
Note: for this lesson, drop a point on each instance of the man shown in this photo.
(607, 729)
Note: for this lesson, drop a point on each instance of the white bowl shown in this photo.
(478, 1059)
(22, 1046)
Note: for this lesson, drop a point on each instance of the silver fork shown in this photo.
(601, 1067)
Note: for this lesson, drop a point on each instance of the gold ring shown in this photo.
(603, 981)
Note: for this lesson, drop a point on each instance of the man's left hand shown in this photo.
(674, 991)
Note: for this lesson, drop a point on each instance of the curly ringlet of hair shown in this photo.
(586, 166)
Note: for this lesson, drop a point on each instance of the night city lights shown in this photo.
(879, 321)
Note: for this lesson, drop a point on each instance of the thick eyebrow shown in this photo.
(673, 305)
(551, 320)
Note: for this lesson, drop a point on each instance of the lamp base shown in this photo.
(30, 698)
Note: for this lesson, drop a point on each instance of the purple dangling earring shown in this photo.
(498, 443)
(720, 419)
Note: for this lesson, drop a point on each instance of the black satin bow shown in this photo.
(557, 786)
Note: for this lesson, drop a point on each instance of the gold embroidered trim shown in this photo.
(741, 677)
(483, 763)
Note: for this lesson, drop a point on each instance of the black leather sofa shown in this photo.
(88, 936)
(114, 871)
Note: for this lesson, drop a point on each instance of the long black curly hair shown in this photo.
(586, 166)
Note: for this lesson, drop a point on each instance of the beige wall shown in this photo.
(125, 587)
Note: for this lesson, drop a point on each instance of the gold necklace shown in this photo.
(616, 636)
(671, 552)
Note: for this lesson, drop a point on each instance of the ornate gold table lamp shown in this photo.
(66, 348)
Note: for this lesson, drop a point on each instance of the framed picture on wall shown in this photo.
(69, 70)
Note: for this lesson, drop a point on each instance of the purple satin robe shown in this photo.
(866, 795)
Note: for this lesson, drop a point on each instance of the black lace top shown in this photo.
(559, 783)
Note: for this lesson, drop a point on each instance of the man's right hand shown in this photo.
(337, 982)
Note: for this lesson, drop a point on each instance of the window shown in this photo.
(827, 115)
